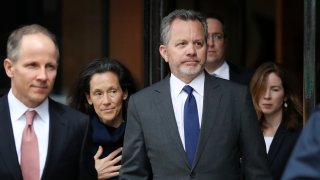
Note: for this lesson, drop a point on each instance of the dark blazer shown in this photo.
(69, 156)
(240, 74)
(153, 148)
(280, 150)
(304, 162)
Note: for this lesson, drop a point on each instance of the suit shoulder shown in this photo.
(240, 74)
(152, 88)
(240, 69)
(66, 111)
(227, 84)
(316, 110)
(236, 88)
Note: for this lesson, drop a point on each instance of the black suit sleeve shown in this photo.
(86, 165)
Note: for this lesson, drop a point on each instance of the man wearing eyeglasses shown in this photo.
(216, 64)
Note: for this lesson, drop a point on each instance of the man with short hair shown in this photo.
(39, 138)
(191, 125)
(216, 63)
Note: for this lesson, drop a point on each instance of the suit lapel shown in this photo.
(8, 153)
(57, 135)
(211, 103)
(212, 97)
(163, 102)
(276, 143)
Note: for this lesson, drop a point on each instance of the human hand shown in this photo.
(106, 167)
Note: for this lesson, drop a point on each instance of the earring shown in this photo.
(285, 104)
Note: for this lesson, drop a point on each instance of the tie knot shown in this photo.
(188, 89)
(29, 116)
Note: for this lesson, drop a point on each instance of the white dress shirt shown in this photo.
(40, 125)
(222, 71)
(179, 97)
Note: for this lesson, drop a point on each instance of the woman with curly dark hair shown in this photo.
(102, 91)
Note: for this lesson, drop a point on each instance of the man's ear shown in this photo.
(163, 52)
(8, 66)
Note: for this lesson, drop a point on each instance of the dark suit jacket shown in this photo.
(280, 150)
(304, 162)
(153, 148)
(240, 74)
(69, 156)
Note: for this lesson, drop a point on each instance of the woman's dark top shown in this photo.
(280, 150)
(109, 138)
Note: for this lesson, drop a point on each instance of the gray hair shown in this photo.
(14, 40)
(183, 15)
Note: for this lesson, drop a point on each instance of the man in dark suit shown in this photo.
(60, 133)
(216, 63)
(304, 162)
(158, 140)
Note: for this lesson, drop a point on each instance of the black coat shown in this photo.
(280, 150)
(240, 74)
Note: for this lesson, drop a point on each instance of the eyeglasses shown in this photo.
(216, 36)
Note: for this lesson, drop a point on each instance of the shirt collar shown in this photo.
(177, 85)
(222, 71)
(17, 108)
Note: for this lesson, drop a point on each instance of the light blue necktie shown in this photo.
(191, 124)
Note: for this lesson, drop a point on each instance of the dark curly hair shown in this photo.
(77, 97)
